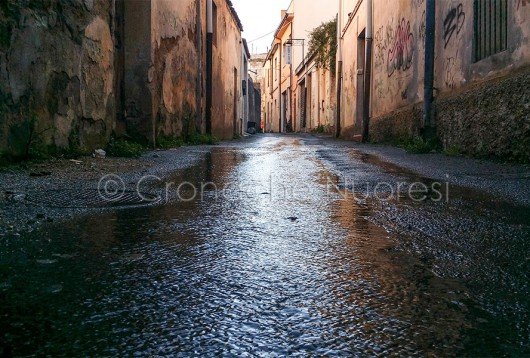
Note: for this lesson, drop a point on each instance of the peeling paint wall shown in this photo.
(56, 75)
(266, 97)
(167, 72)
(72, 73)
(350, 79)
(175, 68)
(226, 111)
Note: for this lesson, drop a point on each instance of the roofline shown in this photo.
(272, 50)
(234, 14)
(245, 46)
(288, 17)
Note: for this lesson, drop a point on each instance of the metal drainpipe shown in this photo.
(339, 71)
(291, 82)
(271, 93)
(280, 94)
(209, 65)
(319, 108)
(198, 86)
(367, 71)
(430, 39)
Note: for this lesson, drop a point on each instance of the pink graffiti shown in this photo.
(401, 53)
(521, 2)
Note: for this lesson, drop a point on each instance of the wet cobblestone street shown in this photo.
(283, 259)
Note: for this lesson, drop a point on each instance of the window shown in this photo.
(491, 27)
(214, 20)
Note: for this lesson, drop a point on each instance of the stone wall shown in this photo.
(488, 119)
(56, 75)
(399, 125)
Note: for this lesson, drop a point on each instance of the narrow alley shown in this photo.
(256, 178)
(254, 267)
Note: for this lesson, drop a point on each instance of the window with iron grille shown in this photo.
(491, 27)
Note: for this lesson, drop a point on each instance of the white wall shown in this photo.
(308, 15)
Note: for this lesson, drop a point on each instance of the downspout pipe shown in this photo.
(209, 65)
(198, 85)
(367, 71)
(280, 94)
(339, 72)
(291, 84)
(430, 41)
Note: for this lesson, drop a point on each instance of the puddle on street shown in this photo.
(253, 267)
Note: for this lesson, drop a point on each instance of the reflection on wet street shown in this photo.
(254, 269)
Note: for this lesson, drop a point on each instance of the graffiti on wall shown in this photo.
(451, 69)
(521, 3)
(384, 38)
(422, 31)
(380, 47)
(401, 52)
(380, 89)
(418, 3)
(453, 22)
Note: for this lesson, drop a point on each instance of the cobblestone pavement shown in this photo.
(274, 245)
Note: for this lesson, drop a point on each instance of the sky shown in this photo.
(259, 18)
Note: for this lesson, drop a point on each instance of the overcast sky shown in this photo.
(259, 17)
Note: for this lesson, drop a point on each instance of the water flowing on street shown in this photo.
(251, 267)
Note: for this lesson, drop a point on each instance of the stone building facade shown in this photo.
(75, 73)
(482, 59)
(258, 76)
(316, 97)
(288, 51)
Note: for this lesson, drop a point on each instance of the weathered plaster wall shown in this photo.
(275, 99)
(398, 49)
(328, 98)
(226, 112)
(321, 99)
(455, 64)
(266, 97)
(56, 74)
(135, 51)
(398, 67)
(483, 107)
(175, 69)
(351, 81)
(397, 62)
(254, 101)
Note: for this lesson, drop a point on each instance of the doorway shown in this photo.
(361, 64)
(283, 105)
(235, 114)
(303, 106)
(309, 102)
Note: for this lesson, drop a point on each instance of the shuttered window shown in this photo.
(491, 27)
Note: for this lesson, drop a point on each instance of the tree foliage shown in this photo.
(323, 44)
